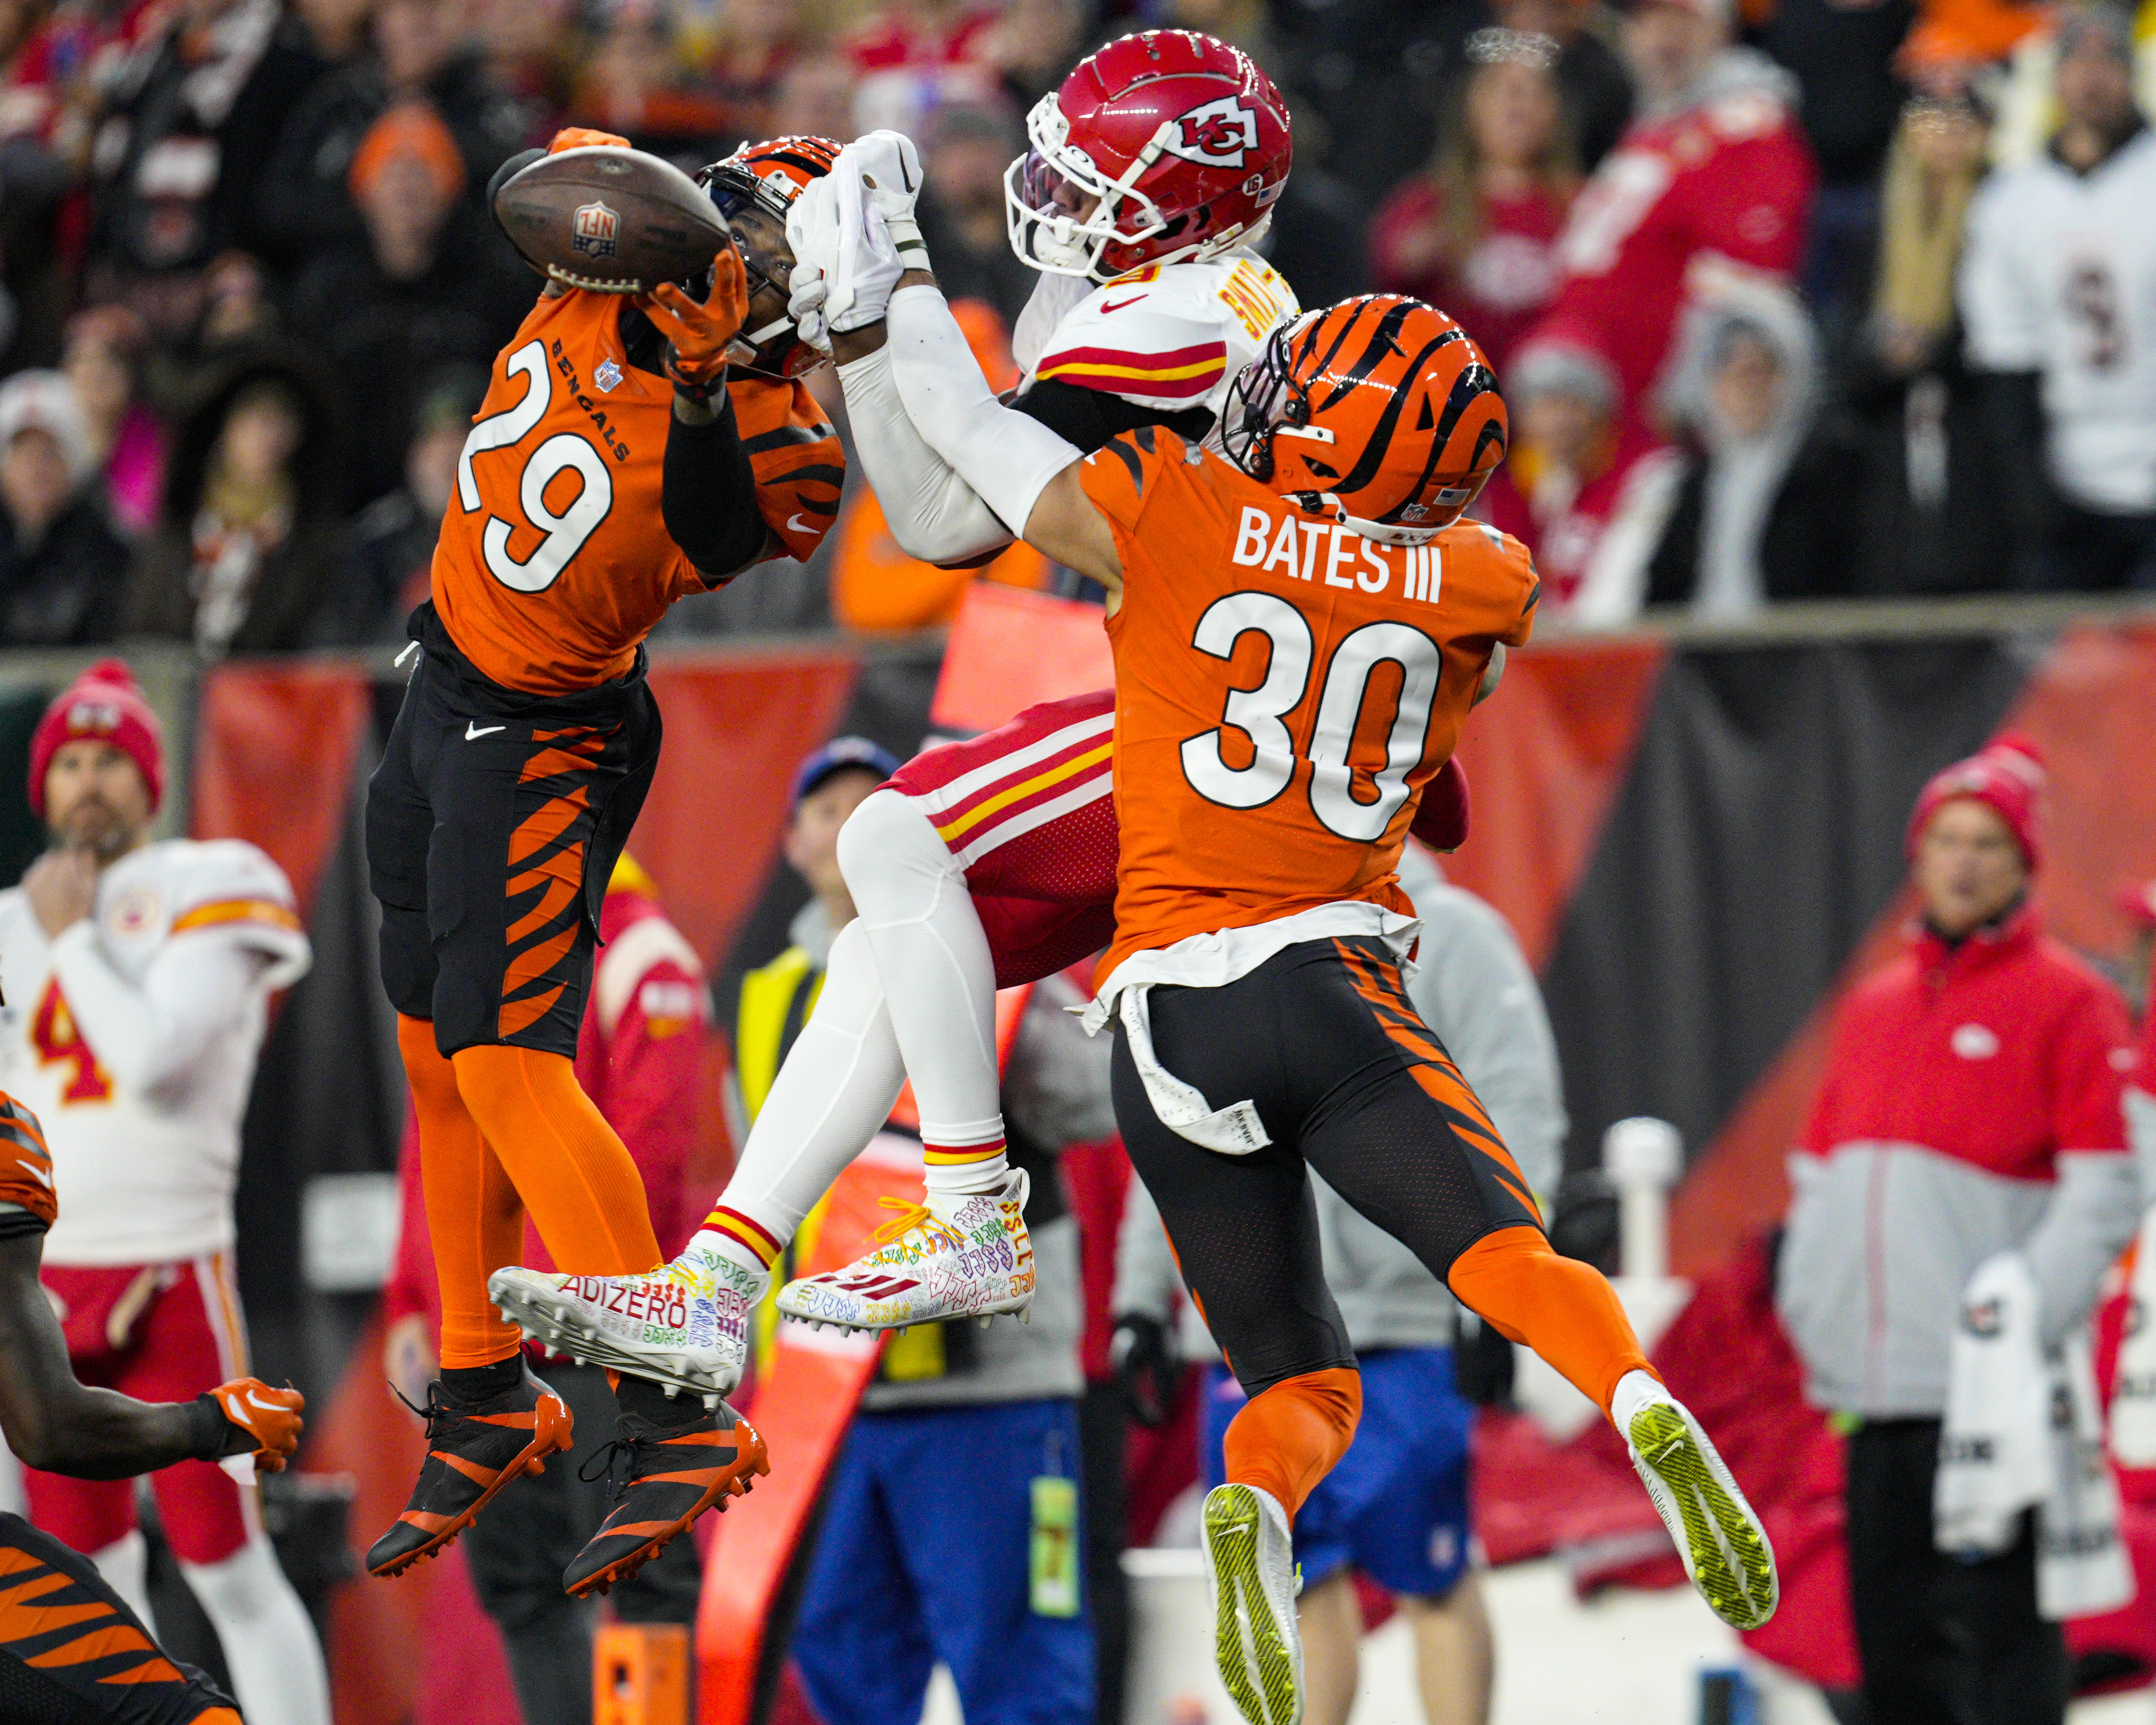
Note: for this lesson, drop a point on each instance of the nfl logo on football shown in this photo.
(592, 230)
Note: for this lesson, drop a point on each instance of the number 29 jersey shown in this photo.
(554, 562)
(1284, 689)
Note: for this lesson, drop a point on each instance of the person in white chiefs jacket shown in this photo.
(137, 979)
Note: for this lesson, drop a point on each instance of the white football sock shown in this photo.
(269, 1641)
(1636, 1389)
(832, 1094)
(939, 980)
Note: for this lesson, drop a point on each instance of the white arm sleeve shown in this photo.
(1007, 457)
(933, 514)
(195, 991)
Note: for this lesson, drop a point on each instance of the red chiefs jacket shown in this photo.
(1970, 1106)
(1724, 181)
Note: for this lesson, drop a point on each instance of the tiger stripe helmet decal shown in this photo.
(1380, 411)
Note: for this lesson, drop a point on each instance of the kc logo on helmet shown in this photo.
(594, 230)
(1221, 133)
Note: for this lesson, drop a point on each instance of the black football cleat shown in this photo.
(473, 1450)
(670, 1475)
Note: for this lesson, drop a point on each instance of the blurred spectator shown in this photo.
(961, 209)
(1843, 53)
(1474, 235)
(2055, 290)
(1761, 512)
(103, 360)
(1035, 45)
(253, 536)
(424, 50)
(430, 284)
(530, 48)
(909, 57)
(1970, 1108)
(182, 149)
(393, 538)
(1712, 178)
(38, 148)
(2138, 903)
(629, 82)
(1586, 487)
(815, 100)
(62, 568)
(337, 29)
(756, 43)
(1932, 519)
(1591, 75)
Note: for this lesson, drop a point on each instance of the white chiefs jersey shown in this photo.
(1168, 336)
(2058, 276)
(144, 1172)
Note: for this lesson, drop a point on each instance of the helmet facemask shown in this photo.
(755, 205)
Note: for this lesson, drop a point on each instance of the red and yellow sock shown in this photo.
(737, 1234)
(965, 1168)
(1564, 1310)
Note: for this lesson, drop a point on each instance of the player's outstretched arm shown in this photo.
(1022, 470)
(55, 1423)
(707, 487)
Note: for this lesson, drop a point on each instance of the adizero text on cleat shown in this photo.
(956, 1254)
(1725, 1550)
(665, 1477)
(1250, 1579)
(684, 1325)
(474, 1450)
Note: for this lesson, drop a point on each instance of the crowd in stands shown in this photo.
(1789, 298)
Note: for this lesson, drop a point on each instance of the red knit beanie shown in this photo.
(106, 704)
(2007, 776)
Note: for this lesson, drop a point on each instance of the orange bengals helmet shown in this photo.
(761, 180)
(1378, 411)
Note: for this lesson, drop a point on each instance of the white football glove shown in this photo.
(806, 308)
(888, 168)
(858, 291)
(812, 233)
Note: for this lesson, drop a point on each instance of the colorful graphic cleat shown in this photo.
(958, 1255)
(473, 1450)
(670, 1476)
(685, 1325)
(1725, 1549)
(1251, 1579)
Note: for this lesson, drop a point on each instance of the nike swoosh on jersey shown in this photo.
(38, 1174)
(1107, 306)
(473, 733)
(796, 524)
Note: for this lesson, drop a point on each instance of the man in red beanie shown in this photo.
(1969, 1109)
(137, 980)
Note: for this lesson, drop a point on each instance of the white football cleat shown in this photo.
(685, 1325)
(958, 1255)
(1726, 1552)
(1252, 1581)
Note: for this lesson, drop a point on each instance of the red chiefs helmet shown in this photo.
(761, 180)
(1162, 147)
(1379, 412)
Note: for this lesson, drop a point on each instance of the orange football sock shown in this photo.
(472, 1212)
(1287, 1438)
(1564, 1310)
(573, 1173)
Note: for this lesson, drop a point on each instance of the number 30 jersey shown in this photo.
(1284, 689)
(553, 562)
(139, 1082)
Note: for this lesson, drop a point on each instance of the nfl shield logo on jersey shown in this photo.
(606, 374)
(594, 230)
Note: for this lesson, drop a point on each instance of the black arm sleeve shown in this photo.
(1087, 419)
(708, 497)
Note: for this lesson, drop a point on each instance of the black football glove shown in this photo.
(1141, 1353)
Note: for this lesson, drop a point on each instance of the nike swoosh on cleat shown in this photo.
(474, 731)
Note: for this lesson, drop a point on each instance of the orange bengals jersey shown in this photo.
(554, 561)
(1284, 689)
(26, 1166)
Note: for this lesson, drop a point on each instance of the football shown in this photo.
(611, 220)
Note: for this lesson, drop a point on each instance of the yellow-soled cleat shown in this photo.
(1725, 1550)
(1250, 1576)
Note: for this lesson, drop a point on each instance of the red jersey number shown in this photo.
(565, 533)
(53, 1034)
